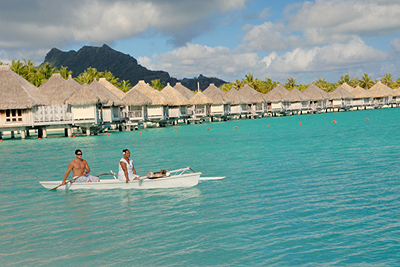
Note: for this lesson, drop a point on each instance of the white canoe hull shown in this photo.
(184, 180)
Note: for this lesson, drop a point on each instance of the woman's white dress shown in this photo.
(129, 166)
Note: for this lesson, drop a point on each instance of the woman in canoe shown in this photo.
(126, 171)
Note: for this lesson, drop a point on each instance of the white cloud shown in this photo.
(269, 36)
(339, 58)
(42, 24)
(326, 21)
(193, 59)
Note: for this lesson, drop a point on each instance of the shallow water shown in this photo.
(319, 193)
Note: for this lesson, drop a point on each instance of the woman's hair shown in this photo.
(124, 150)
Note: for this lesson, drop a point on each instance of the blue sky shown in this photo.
(217, 38)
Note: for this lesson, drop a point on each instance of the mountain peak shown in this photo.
(123, 66)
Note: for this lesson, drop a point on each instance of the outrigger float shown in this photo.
(184, 177)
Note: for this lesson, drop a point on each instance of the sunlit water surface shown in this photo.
(319, 193)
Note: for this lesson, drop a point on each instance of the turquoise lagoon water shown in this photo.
(315, 194)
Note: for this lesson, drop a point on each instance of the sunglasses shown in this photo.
(79, 154)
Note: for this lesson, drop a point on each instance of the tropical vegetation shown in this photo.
(40, 74)
(366, 81)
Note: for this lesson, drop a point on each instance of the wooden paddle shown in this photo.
(70, 181)
(73, 179)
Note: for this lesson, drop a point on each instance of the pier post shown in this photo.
(1, 135)
(88, 132)
(145, 125)
(27, 133)
(12, 134)
(44, 133)
(22, 134)
(69, 132)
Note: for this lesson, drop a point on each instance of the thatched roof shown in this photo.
(200, 99)
(156, 97)
(63, 91)
(184, 90)
(86, 95)
(357, 92)
(315, 93)
(113, 100)
(16, 92)
(51, 84)
(340, 93)
(396, 92)
(296, 96)
(112, 88)
(380, 90)
(50, 90)
(277, 94)
(347, 87)
(175, 96)
(216, 95)
(254, 96)
(135, 98)
(236, 98)
(57, 90)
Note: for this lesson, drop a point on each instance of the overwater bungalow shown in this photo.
(184, 90)
(298, 101)
(221, 104)
(239, 103)
(56, 113)
(87, 104)
(17, 99)
(178, 108)
(396, 97)
(361, 100)
(112, 88)
(112, 109)
(200, 106)
(382, 95)
(318, 98)
(257, 101)
(340, 99)
(157, 111)
(135, 109)
(278, 102)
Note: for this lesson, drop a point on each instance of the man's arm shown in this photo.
(70, 166)
(86, 168)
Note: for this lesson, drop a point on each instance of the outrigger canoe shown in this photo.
(178, 178)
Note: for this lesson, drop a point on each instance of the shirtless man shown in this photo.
(80, 168)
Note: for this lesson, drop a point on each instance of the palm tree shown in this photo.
(124, 85)
(226, 87)
(397, 83)
(238, 84)
(84, 77)
(110, 77)
(387, 79)
(65, 72)
(17, 67)
(46, 70)
(366, 81)
(302, 87)
(324, 85)
(157, 84)
(290, 83)
(344, 79)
